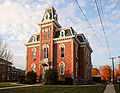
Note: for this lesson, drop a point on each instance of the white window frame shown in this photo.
(76, 65)
(62, 46)
(62, 33)
(45, 53)
(34, 53)
(44, 34)
(33, 66)
(62, 65)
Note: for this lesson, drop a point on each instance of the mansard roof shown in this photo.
(82, 38)
(34, 38)
(68, 31)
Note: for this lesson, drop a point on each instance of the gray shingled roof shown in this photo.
(81, 37)
(31, 39)
(67, 33)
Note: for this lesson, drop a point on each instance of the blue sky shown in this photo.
(19, 19)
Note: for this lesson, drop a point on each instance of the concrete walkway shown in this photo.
(21, 86)
(110, 88)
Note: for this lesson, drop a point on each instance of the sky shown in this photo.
(19, 19)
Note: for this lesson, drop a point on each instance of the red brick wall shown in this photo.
(66, 59)
(31, 61)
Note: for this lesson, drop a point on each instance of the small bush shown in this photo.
(31, 77)
(51, 76)
(21, 79)
(68, 81)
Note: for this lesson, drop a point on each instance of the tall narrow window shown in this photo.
(44, 35)
(62, 52)
(47, 53)
(62, 34)
(45, 50)
(48, 34)
(34, 53)
(62, 49)
(33, 66)
(76, 65)
(62, 67)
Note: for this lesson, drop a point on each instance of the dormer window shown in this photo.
(62, 33)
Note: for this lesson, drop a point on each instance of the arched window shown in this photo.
(62, 68)
(62, 49)
(34, 53)
(76, 65)
(33, 66)
(45, 50)
(62, 33)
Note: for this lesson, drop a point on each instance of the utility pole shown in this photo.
(113, 67)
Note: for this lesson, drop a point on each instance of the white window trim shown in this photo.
(62, 31)
(48, 34)
(45, 46)
(62, 63)
(33, 66)
(63, 46)
(76, 65)
(34, 50)
(44, 35)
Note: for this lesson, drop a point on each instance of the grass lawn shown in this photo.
(117, 88)
(58, 89)
(8, 84)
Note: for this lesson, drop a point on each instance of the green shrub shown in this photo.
(21, 79)
(31, 77)
(68, 81)
(51, 76)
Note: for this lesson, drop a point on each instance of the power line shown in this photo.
(89, 24)
(103, 27)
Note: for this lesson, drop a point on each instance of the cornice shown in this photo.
(86, 44)
(49, 21)
(32, 43)
(63, 38)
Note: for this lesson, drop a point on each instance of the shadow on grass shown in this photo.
(58, 89)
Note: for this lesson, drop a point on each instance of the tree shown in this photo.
(51, 76)
(5, 53)
(31, 77)
(95, 71)
(105, 72)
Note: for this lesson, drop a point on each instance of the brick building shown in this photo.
(9, 73)
(61, 47)
(5, 70)
(16, 73)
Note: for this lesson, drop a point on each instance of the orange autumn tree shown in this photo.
(105, 72)
(95, 71)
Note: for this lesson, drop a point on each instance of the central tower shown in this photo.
(47, 30)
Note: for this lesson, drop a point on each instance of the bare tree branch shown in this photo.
(5, 53)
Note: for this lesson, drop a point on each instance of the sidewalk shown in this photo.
(109, 88)
(21, 86)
